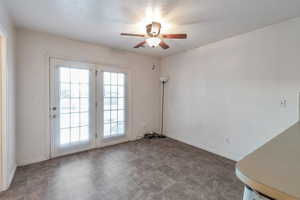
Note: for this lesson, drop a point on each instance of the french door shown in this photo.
(114, 103)
(88, 106)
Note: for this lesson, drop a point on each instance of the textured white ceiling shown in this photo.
(101, 21)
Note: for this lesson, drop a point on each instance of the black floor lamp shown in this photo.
(152, 135)
(163, 81)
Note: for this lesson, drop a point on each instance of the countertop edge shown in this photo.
(262, 188)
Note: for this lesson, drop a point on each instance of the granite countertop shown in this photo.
(274, 168)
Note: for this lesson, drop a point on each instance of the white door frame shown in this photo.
(4, 173)
(53, 99)
(101, 141)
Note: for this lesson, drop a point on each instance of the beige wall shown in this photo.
(32, 87)
(225, 97)
(8, 148)
(1, 112)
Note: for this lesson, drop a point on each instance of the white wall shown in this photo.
(225, 97)
(7, 30)
(32, 88)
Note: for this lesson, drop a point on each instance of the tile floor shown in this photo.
(162, 169)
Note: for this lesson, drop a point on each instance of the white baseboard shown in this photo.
(114, 141)
(11, 175)
(207, 148)
(10, 178)
(25, 162)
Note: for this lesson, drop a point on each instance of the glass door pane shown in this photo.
(73, 106)
(114, 113)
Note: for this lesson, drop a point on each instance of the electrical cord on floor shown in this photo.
(153, 135)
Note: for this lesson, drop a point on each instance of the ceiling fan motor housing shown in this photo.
(153, 30)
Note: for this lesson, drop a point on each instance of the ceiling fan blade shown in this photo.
(163, 45)
(175, 36)
(133, 34)
(141, 44)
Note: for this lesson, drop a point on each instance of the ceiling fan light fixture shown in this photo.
(153, 41)
(153, 36)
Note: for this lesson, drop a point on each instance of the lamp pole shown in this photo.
(163, 80)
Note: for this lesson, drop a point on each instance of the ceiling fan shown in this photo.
(154, 37)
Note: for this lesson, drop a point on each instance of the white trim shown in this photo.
(207, 148)
(47, 90)
(298, 106)
(10, 178)
(4, 176)
(11, 175)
